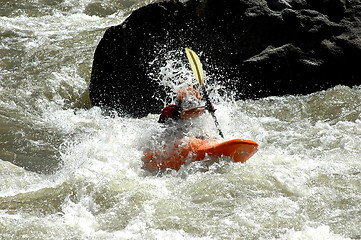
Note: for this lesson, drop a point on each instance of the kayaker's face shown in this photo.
(190, 102)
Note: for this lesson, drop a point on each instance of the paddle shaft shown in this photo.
(211, 110)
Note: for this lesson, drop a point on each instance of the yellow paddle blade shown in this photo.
(196, 65)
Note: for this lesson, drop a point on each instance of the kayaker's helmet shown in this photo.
(188, 97)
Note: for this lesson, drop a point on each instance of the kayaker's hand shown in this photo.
(192, 112)
(209, 107)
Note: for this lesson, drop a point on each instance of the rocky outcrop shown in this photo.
(257, 48)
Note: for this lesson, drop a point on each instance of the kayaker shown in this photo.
(187, 105)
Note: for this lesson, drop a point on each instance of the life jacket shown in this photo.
(170, 112)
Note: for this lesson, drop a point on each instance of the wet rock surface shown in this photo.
(256, 48)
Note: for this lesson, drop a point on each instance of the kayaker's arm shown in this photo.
(192, 112)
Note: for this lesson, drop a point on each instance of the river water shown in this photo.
(69, 172)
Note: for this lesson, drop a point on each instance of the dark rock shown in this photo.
(278, 5)
(256, 48)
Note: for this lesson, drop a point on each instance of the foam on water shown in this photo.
(285, 190)
(301, 186)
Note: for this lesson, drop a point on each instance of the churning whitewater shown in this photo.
(67, 171)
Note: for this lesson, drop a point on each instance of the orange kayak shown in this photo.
(175, 154)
